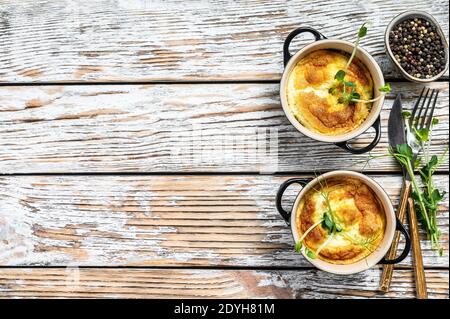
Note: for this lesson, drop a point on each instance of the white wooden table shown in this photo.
(126, 129)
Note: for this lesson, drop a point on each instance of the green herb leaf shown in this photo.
(298, 246)
(385, 88)
(362, 31)
(423, 134)
(355, 96)
(429, 168)
(405, 150)
(350, 84)
(406, 114)
(328, 222)
(338, 228)
(415, 196)
(340, 75)
(436, 196)
(417, 162)
(434, 121)
(310, 253)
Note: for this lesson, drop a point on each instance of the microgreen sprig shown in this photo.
(349, 92)
(366, 243)
(331, 222)
(362, 32)
(426, 196)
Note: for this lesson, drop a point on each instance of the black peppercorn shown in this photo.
(418, 48)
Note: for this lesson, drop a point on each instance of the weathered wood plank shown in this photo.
(188, 283)
(166, 128)
(159, 221)
(141, 40)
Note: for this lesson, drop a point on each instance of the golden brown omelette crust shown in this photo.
(359, 212)
(312, 104)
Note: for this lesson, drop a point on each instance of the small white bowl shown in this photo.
(408, 15)
(377, 256)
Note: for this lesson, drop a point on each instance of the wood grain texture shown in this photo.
(188, 283)
(183, 128)
(178, 221)
(388, 270)
(139, 40)
(160, 221)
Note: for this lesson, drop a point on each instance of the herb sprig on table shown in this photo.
(425, 194)
(346, 91)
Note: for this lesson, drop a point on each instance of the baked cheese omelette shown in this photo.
(309, 95)
(358, 212)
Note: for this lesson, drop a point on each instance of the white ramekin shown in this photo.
(377, 256)
(322, 43)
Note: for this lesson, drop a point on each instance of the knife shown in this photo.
(397, 129)
(397, 135)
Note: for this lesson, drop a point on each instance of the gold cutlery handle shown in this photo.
(386, 276)
(419, 272)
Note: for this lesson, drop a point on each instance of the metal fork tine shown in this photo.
(417, 117)
(430, 118)
(415, 107)
(422, 120)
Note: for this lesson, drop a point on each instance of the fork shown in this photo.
(419, 121)
(425, 122)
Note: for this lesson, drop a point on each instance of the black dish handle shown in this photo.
(346, 146)
(399, 226)
(286, 54)
(287, 215)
